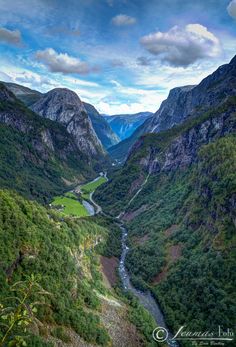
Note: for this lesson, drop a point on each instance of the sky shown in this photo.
(122, 56)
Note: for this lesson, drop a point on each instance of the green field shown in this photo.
(91, 186)
(72, 207)
(70, 195)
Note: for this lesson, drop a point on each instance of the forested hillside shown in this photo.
(51, 286)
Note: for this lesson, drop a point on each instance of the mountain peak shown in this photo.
(64, 95)
(64, 106)
(188, 101)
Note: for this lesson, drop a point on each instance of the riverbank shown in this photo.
(145, 298)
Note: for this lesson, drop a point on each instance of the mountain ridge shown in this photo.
(37, 155)
(102, 128)
(184, 102)
(103, 131)
(64, 106)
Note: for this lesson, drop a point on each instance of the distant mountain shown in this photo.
(39, 158)
(183, 103)
(64, 106)
(26, 95)
(103, 130)
(125, 124)
(120, 151)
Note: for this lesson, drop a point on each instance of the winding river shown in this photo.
(145, 298)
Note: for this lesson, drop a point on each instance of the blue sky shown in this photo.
(123, 56)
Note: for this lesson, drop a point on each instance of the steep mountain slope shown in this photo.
(37, 155)
(182, 103)
(171, 149)
(26, 95)
(125, 124)
(70, 308)
(64, 106)
(182, 222)
(103, 130)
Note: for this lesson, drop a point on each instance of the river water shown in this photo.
(89, 207)
(145, 298)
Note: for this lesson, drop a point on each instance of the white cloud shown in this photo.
(12, 37)
(182, 46)
(232, 9)
(123, 20)
(110, 109)
(62, 62)
(33, 79)
(136, 100)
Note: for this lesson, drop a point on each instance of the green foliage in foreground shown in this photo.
(18, 311)
(62, 253)
(70, 206)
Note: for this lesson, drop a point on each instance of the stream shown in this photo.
(145, 298)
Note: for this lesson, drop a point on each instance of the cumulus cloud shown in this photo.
(182, 46)
(33, 79)
(123, 20)
(62, 62)
(12, 37)
(232, 9)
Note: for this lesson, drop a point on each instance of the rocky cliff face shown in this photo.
(37, 155)
(64, 106)
(181, 151)
(170, 151)
(21, 119)
(103, 130)
(184, 102)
